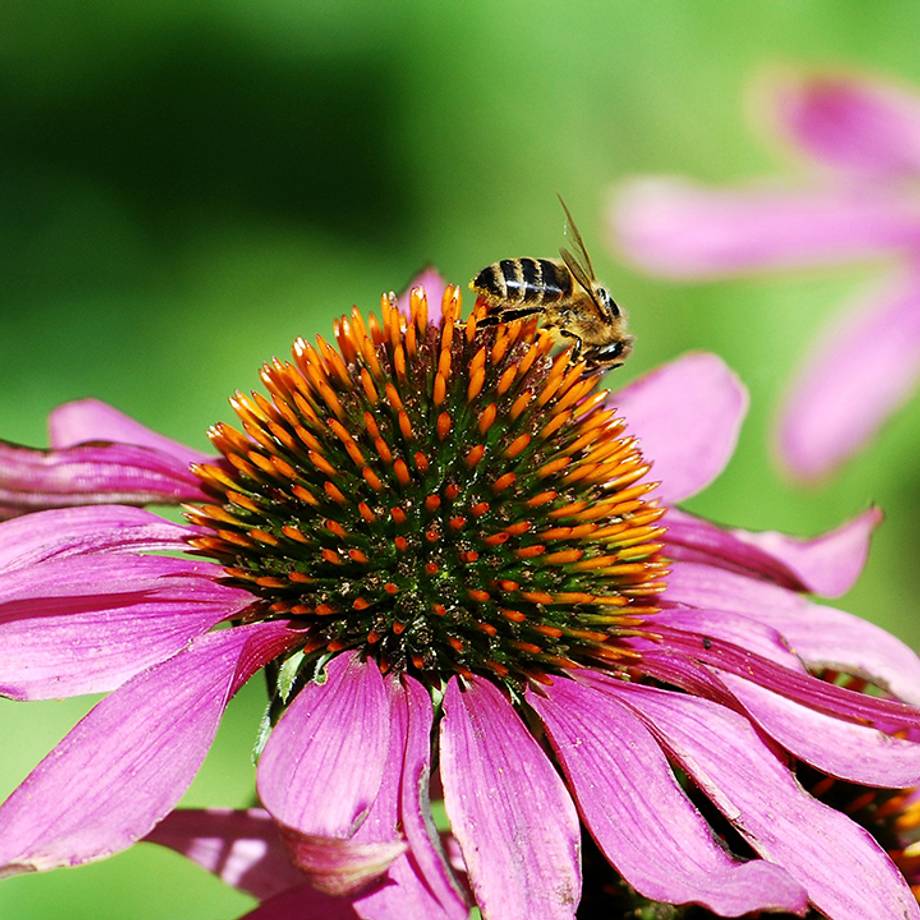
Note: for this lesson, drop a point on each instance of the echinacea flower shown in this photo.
(436, 528)
(861, 202)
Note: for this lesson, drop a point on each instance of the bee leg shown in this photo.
(576, 348)
(508, 316)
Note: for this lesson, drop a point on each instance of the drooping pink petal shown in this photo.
(85, 624)
(687, 415)
(860, 371)
(508, 809)
(845, 120)
(93, 420)
(818, 694)
(321, 772)
(241, 847)
(641, 818)
(828, 564)
(821, 636)
(91, 474)
(679, 229)
(124, 766)
(419, 882)
(429, 278)
(843, 869)
(857, 753)
(26, 541)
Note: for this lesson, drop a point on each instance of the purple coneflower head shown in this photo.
(861, 203)
(440, 530)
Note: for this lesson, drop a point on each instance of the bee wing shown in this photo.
(582, 277)
(579, 242)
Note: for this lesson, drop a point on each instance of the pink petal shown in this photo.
(419, 883)
(821, 636)
(857, 753)
(242, 848)
(124, 766)
(430, 280)
(845, 120)
(845, 872)
(91, 474)
(639, 815)
(404, 892)
(862, 369)
(508, 809)
(687, 415)
(816, 693)
(732, 627)
(321, 773)
(61, 532)
(93, 420)
(85, 624)
(679, 229)
(828, 564)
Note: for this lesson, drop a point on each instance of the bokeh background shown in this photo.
(186, 187)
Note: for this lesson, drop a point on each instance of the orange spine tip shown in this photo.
(477, 380)
(403, 476)
(474, 455)
(405, 426)
(444, 425)
(504, 481)
(487, 418)
(517, 446)
(439, 391)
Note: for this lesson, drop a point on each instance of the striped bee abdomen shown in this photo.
(524, 281)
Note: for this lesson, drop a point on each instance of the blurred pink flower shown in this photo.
(435, 529)
(862, 202)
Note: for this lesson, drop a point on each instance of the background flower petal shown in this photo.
(641, 818)
(241, 847)
(687, 415)
(508, 808)
(128, 761)
(93, 420)
(821, 636)
(91, 474)
(843, 869)
(861, 370)
(321, 773)
(306, 903)
(26, 541)
(85, 624)
(680, 229)
(844, 120)
(430, 279)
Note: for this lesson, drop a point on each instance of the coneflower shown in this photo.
(431, 527)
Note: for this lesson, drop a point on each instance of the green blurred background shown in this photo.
(186, 187)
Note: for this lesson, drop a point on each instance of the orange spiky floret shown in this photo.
(446, 497)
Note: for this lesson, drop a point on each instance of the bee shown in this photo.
(566, 296)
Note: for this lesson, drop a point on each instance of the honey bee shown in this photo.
(567, 297)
